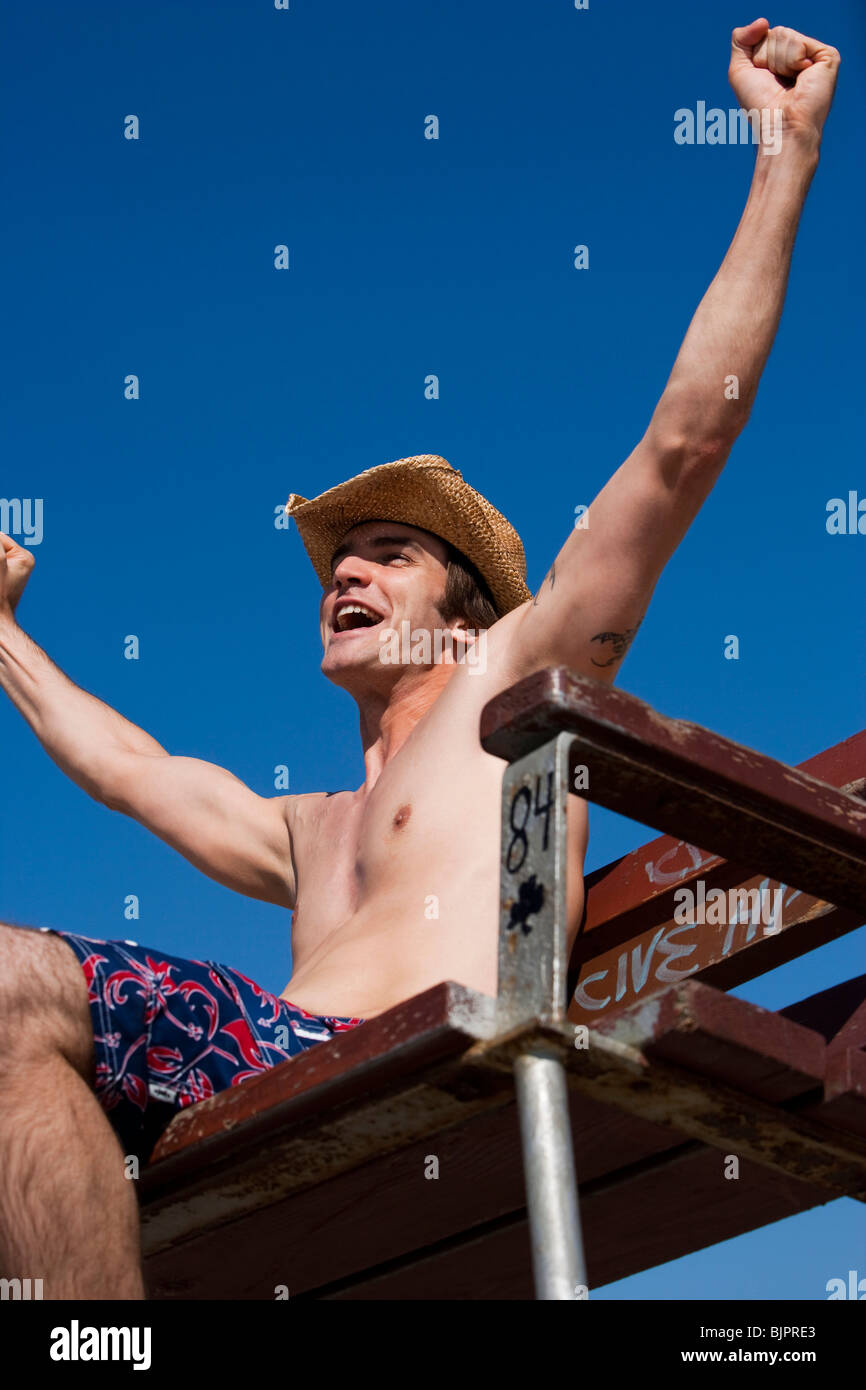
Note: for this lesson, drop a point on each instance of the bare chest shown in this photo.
(425, 826)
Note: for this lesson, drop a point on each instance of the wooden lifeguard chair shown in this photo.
(461, 1146)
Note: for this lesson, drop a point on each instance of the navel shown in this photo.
(402, 817)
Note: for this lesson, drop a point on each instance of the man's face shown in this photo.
(392, 572)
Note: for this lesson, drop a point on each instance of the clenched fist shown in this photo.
(782, 70)
(16, 566)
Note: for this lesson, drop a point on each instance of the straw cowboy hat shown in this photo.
(423, 491)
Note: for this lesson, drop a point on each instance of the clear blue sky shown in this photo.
(408, 257)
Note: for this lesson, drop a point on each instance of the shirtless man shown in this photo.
(357, 867)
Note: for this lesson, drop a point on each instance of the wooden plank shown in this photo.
(640, 933)
(641, 1219)
(737, 1043)
(664, 1205)
(613, 1066)
(844, 1104)
(383, 1211)
(646, 1197)
(618, 955)
(637, 963)
(837, 1013)
(387, 1224)
(362, 1094)
(690, 782)
(630, 884)
(441, 1022)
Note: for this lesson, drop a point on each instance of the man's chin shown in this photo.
(348, 661)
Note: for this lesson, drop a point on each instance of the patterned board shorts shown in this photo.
(169, 1032)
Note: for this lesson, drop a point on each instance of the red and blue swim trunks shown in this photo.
(169, 1032)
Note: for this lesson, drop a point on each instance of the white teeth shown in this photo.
(355, 608)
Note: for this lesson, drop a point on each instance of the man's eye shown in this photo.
(397, 556)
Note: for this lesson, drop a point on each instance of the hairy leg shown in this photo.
(68, 1215)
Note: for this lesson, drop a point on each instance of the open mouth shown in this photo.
(355, 615)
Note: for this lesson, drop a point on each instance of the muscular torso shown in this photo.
(398, 887)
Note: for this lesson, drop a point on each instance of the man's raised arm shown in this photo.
(234, 836)
(590, 605)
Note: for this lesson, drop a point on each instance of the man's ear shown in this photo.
(463, 637)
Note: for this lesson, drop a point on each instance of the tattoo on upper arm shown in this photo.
(551, 575)
(619, 641)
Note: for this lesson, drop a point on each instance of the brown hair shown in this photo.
(467, 594)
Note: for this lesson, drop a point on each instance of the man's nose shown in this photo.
(352, 569)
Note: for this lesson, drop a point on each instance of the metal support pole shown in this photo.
(532, 985)
(558, 1263)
